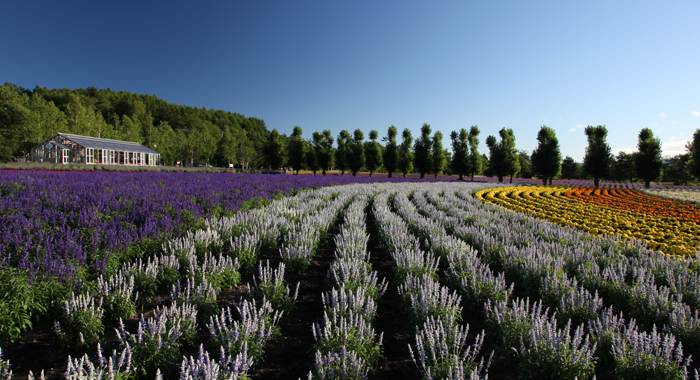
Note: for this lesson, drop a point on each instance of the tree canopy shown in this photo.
(405, 159)
(390, 155)
(373, 153)
(422, 157)
(546, 158)
(598, 156)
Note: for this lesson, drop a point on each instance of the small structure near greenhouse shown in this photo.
(64, 148)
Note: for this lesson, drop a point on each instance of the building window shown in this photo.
(89, 156)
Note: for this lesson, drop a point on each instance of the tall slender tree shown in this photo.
(342, 152)
(405, 159)
(373, 153)
(693, 149)
(460, 153)
(273, 150)
(504, 157)
(546, 159)
(438, 154)
(422, 159)
(475, 160)
(598, 156)
(310, 157)
(356, 152)
(323, 148)
(391, 151)
(648, 159)
(296, 150)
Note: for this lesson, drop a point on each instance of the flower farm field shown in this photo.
(665, 225)
(386, 280)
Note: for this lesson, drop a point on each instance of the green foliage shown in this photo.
(391, 152)
(296, 150)
(356, 152)
(570, 169)
(118, 307)
(341, 154)
(405, 157)
(475, 159)
(598, 156)
(274, 156)
(323, 150)
(460, 153)
(18, 304)
(624, 167)
(439, 162)
(81, 324)
(373, 153)
(366, 349)
(543, 362)
(693, 149)
(648, 159)
(422, 158)
(504, 157)
(546, 158)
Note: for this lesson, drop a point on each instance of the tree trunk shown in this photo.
(596, 181)
(422, 175)
(461, 177)
(550, 181)
(647, 184)
(370, 173)
(500, 179)
(544, 181)
(511, 179)
(389, 175)
(472, 177)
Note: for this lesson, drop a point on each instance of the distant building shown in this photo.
(64, 148)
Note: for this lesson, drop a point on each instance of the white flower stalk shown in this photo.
(442, 351)
(343, 302)
(116, 366)
(206, 368)
(354, 273)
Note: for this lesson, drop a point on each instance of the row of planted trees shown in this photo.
(426, 155)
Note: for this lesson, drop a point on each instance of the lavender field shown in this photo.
(472, 291)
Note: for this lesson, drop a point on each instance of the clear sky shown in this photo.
(370, 64)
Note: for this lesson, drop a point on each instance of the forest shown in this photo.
(179, 133)
(191, 136)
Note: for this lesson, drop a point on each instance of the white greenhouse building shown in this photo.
(64, 148)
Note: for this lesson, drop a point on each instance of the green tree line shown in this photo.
(182, 134)
(191, 135)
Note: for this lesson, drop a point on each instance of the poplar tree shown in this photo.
(422, 159)
(296, 150)
(546, 158)
(405, 159)
(341, 153)
(390, 156)
(356, 152)
(273, 150)
(648, 159)
(323, 150)
(598, 156)
(694, 152)
(373, 153)
(438, 154)
(504, 157)
(475, 159)
(460, 152)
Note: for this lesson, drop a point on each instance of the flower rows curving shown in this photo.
(666, 234)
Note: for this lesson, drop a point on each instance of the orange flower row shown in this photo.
(633, 200)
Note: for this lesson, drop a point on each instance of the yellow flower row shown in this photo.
(667, 235)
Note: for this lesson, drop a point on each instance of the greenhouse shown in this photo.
(64, 148)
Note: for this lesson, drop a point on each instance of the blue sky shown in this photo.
(370, 64)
